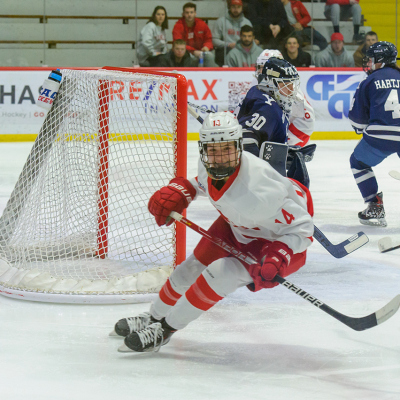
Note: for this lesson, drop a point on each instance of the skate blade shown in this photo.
(114, 334)
(374, 222)
(125, 349)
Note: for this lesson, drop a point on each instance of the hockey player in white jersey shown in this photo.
(301, 118)
(261, 213)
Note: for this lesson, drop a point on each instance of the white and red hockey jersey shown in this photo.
(258, 202)
(301, 119)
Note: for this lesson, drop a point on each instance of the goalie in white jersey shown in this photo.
(262, 213)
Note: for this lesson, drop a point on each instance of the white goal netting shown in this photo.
(76, 227)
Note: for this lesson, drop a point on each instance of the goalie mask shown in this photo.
(281, 81)
(384, 53)
(220, 144)
(265, 56)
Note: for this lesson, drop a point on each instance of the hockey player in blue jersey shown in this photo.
(264, 116)
(265, 110)
(375, 113)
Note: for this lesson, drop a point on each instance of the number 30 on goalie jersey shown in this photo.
(262, 119)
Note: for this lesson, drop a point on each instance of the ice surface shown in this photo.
(267, 345)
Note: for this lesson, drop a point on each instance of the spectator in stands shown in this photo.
(335, 55)
(246, 51)
(153, 39)
(339, 10)
(299, 18)
(271, 25)
(226, 31)
(196, 34)
(178, 56)
(361, 52)
(294, 54)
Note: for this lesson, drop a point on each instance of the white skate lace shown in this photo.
(139, 322)
(150, 334)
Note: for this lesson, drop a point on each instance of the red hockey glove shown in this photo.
(276, 260)
(174, 197)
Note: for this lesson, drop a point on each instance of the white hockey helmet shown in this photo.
(281, 81)
(217, 132)
(265, 56)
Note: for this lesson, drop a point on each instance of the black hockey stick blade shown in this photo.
(344, 248)
(386, 244)
(395, 174)
(358, 324)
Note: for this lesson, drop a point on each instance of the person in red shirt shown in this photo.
(337, 10)
(197, 35)
(299, 18)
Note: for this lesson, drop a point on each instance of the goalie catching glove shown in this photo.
(176, 196)
(276, 260)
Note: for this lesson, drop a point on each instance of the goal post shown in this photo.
(76, 228)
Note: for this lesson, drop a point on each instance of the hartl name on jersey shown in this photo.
(387, 83)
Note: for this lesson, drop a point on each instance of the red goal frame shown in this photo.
(180, 156)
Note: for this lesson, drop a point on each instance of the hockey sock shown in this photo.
(167, 298)
(198, 298)
(201, 295)
(365, 179)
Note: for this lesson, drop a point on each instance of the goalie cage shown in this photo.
(76, 228)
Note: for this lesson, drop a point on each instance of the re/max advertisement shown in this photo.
(329, 91)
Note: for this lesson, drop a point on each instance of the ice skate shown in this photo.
(126, 326)
(374, 214)
(150, 339)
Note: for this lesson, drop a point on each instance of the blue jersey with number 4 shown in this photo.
(375, 110)
(262, 119)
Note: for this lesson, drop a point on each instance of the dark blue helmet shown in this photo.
(281, 81)
(379, 52)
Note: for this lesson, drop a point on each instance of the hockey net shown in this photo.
(76, 227)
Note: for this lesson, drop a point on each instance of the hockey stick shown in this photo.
(386, 244)
(358, 324)
(339, 250)
(193, 113)
(344, 248)
(202, 109)
(395, 174)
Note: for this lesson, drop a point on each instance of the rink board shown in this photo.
(329, 91)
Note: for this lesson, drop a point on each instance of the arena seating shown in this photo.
(95, 33)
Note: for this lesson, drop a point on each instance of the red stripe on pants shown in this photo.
(168, 295)
(201, 296)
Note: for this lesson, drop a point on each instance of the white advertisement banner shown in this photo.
(329, 92)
